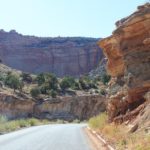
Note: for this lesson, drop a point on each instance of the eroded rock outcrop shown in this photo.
(66, 108)
(13, 107)
(128, 53)
(70, 108)
(62, 56)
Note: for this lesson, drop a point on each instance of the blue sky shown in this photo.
(91, 18)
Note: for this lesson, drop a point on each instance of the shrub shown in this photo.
(44, 88)
(13, 81)
(76, 121)
(53, 81)
(48, 79)
(3, 119)
(84, 85)
(33, 122)
(67, 82)
(23, 123)
(26, 77)
(99, 121)
(105, 78)
(40, 78)
(2, 77)
(35, 92)
(76, 86)
(53, 93)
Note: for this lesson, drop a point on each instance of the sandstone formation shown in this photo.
(128, 53)
(13, 107)
(62, 56)
(66, 108)
(70, 108)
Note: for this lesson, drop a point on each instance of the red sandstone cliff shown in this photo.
(128, 53)
(62, 56)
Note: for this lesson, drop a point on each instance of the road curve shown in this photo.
(47, 137)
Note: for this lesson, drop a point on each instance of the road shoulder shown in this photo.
(94, 141)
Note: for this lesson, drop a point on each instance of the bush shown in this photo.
(35, 92)
(98, 122)
(84, 85)
(48, 79)
(105, 78)
(76, 86)
(26, 77)
(3, 119)
(76, 121)
(53, 93)
(67, 82)
(40, 78)
(13, 81)
(53, 81)
(2, 77)
(44, 88)
(33, 122)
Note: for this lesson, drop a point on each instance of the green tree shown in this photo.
(53, 93)
(40, 78)
(83, 83)
(35, 92)
(67, 82)
(53, 81)
(26, 77)
(13, 81)
(44, 88)
(48, 79)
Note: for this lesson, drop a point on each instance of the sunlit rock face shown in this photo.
(13, 107)
(62, 56)
(66, 108)
(128, 53)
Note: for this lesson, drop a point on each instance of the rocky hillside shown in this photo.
(68, 103)
(128, 53)
(62, 56)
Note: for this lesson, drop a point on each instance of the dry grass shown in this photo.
(7, 126)
(119, 136)
(98, 122)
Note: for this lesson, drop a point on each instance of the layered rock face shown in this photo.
(13, 107)
(62, 56)
(70, 108)
(66, 108)
(128, 53)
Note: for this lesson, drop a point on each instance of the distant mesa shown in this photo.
(60, 55)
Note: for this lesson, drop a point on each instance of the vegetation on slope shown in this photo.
(48, 85)
(118, 135)
(11, 125)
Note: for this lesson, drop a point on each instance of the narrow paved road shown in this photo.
(47, 137)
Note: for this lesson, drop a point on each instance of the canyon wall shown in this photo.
(62, 56)
(128, 54)
(66, 108)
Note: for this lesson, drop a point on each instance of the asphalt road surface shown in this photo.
(47, 137)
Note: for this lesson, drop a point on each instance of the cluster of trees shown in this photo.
(49, 84)
(12, 81)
